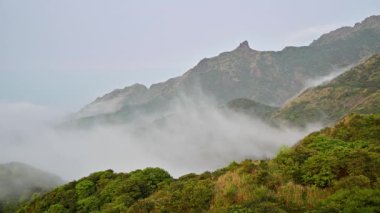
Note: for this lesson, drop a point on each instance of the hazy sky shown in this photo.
(66, 53)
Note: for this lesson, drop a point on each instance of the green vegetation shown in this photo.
(356, 91)
(251, 108)
(333, 170)
(101, 192)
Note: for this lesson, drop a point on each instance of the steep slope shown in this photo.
(19, 181)
(357, 90)
(267, 77)
(332, 170)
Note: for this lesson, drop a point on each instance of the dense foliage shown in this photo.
(333, 170)
(101, 192)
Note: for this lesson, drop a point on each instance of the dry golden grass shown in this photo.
(297, 195)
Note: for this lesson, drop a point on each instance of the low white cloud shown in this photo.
(194, 138)
(324, 79)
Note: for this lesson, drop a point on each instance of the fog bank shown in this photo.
(195, 137)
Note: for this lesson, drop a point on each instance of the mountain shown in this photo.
(267, 77)
(19, 181)
(357, 90)
(332, 170)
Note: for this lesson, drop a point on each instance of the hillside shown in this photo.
(18, 182)
(267, 77)
(251, 108)
(332, 170)
(357, 90)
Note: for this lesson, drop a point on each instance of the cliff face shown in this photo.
(267, 77)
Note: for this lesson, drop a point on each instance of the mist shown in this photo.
(196, 136)
(326, 78)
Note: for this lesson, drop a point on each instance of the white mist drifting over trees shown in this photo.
(196, 137)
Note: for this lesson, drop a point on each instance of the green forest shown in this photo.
(332, 170)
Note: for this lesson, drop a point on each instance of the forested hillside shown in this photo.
(332, 170)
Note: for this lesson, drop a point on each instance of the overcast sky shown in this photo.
(66, 53)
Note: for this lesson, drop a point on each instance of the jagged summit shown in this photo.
(244, 46)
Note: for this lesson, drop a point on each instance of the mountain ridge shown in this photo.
(368, 22)
(267, 77)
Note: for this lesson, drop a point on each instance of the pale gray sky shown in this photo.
(66, 53)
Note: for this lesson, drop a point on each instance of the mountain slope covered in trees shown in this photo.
(332, 170)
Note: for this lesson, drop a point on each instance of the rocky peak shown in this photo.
(244, 46)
